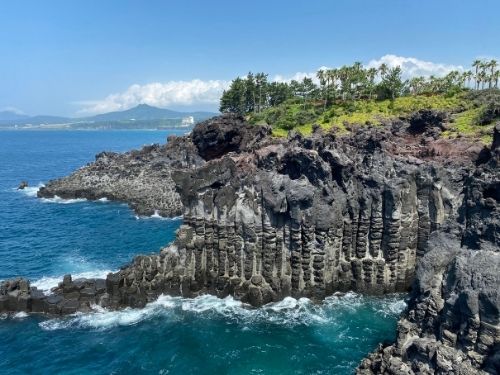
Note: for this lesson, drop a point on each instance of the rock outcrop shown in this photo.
(452, 324)
(142, 178)
(68, 298)
(266, 218)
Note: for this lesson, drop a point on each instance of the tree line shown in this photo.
(255, 92)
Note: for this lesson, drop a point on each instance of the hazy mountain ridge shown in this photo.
(142, 116)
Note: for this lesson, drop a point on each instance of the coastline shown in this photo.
(219, 162)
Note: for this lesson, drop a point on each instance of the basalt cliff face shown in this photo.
(266, 218)
(452, 323)
(303, 216)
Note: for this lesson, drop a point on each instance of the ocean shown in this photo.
(43, 239)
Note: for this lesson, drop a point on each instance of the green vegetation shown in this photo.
(354, 95)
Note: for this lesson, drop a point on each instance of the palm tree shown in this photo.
(467, 77)
(332, 75)
(482, 78)
(322, 77)
(476, 64)
(370, 75)
(383, 68)
(358, 76)
(342, 75)
(492, 65)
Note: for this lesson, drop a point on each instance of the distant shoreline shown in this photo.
(92, 130)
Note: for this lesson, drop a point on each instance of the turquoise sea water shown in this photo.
(44, 239)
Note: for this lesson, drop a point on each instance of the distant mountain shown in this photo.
(6, 121)
(145, 112)
(11, 116)
(45, 119)
(142, 116)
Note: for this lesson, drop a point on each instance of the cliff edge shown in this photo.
(386, 209)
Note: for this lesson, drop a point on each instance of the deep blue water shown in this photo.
(44, 239)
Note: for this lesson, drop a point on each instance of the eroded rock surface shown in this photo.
(267, 218)
(452, 324)
(142, 178)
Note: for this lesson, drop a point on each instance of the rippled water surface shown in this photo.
(44, 239)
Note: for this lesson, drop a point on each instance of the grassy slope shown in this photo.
(465, 115)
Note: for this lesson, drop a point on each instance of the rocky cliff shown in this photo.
(305, 216)
(452, 324)
(266, 218)
(142, 178)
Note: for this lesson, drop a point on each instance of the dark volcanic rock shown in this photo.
(69, 297)
(452, 324)
(301, 217)
(425, 120)
(496, 137)
(141, 178)
(267, 218)
(228, 133)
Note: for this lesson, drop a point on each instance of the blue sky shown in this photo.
(79, 57)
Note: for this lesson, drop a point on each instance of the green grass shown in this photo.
(465, 121)
(341, 115)
(466, 124)
(278, 132)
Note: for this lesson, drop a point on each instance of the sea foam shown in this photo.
(156, 215)
(20, 315)
(59, 200)
(289, 312)
(30, 191)
(46, 283)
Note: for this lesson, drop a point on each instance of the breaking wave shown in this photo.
(30, 191)
(20, 315)
(46, 283)
(57, 199)
(157, 216)
(288, 312)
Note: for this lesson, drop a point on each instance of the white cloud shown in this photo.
(172, 93)
(207, 93)
(299, 76)
(12, 109)
(412, 66)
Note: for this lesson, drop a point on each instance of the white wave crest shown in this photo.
(105, 319)
(395, 307)
(20, 315)
(104, 199)
(288, 312)
(157, 216)
(59, 200)
(30, 191)
(46, 283)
